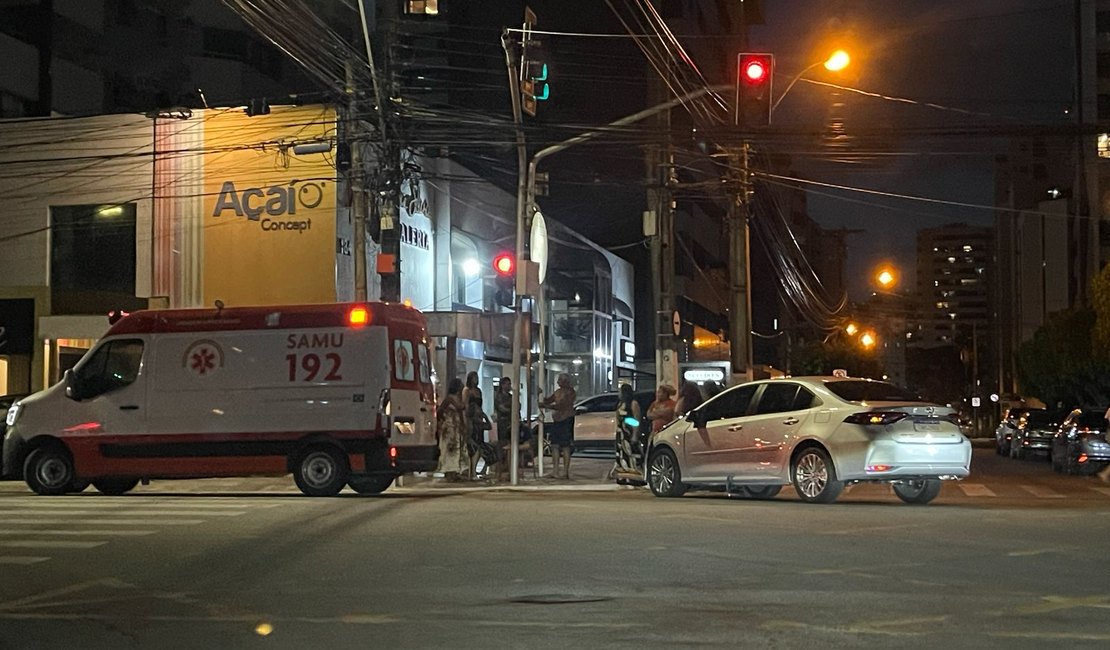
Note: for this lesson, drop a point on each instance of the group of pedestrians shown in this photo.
(462, 423)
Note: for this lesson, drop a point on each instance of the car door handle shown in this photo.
(129, 407)
(736, 427)
(790, 421)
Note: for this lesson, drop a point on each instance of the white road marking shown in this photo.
(103, 522)
(22, 559)
(50, 543)
(976, 490)
(1042, 492)
(135, 513)
(79, 533)
(86, 502)
(1102, 490)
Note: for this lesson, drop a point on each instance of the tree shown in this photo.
(1059, 365)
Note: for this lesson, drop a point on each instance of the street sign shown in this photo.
(537, 244)
(676, 322)
(975, 401)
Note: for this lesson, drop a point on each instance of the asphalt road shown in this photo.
(1016, 561)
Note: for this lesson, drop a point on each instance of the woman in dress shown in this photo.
(451, 425)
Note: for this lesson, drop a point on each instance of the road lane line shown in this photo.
(22, 559)
(134, 513)
(976, 490)
(78, 533)
(103, 522)
(1042, 492)
(50, 543)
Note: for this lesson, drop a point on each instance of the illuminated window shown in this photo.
(1104, 145)
(425, 7)
(967, 249)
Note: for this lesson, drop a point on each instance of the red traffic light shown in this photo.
(755, 69)
(504, 264)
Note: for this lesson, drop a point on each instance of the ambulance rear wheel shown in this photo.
(321, 471)
(48, 470)
(370, 484)
(114, 487)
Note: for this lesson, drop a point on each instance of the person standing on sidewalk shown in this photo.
(561, 431)
(453, 431)
(503, 416)
(661, 411)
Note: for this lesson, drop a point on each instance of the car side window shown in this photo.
(804, 399)
(730, 404)
(112, 366)
(777, 398)
(600, 404)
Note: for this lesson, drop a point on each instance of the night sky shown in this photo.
(1006, 61)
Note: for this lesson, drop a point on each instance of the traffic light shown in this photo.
(504, 267)
(533, 76)
(754, 74)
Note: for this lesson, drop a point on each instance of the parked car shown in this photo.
(1035, 432)
(1012, 419)
(1079, 445)
(595, 420)
(817, 433)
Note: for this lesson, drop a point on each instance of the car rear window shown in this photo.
(870, 391)
(1044, 419)
(1091, 420)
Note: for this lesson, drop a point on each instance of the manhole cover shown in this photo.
(557, 599)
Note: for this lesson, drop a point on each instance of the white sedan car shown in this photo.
(817, 433)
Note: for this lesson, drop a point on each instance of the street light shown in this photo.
(836, 62)
(886, 277)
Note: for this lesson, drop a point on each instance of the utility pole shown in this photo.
(740, 304)
(389, 259)
(660, 173)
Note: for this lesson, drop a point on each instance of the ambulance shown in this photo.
(337, 395)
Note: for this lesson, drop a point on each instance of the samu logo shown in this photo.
(275, 200)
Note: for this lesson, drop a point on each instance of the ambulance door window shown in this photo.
(403, 361)
(425, 367)
(112, 366)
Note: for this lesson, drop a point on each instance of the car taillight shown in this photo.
(875, 418)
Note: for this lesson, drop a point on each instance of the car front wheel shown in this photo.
(917, 492)
(49, 470)
(815, 478)
(664, 476)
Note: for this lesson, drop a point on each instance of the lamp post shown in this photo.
(836, 62)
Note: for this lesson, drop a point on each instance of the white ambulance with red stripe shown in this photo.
(337, 394)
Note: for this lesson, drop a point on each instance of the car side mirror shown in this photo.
(579, 410)
(73, 385)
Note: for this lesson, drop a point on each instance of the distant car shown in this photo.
(1035, 432)
(595, 420)
(1079, 445)
(1004, 433)
(817, 433)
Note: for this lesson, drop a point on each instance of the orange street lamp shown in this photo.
(851, 329)
(868, 340)
(836, 62)
(886, 277)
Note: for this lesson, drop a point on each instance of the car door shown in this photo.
(595, 422)
(713, 451)
(780, 412)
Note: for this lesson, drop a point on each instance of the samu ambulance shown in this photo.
(337, 394)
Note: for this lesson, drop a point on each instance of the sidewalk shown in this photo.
(586, 475)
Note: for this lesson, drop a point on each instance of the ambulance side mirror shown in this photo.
(73, 385)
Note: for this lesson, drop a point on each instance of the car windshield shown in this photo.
(1091, 420)
(858, 390)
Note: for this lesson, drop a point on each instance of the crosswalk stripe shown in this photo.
(22, 559)
(136, 513)
(1042, 492)
(1102, 490)
(78, 533)
(50, 543)
(976, 490)
(99, 521)
(85, 502)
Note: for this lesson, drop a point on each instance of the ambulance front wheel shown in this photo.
(375, 484)
(49, 470)
(321, 471)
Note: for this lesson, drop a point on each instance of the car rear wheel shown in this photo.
(115, 486)
(375, 484)
(320, 471)
(814, 477)
(758, 492)
(49, 470)
(664, 476)
(917, 492)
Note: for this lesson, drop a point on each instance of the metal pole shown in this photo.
(356, 178)
(541, 374)
(521, 206)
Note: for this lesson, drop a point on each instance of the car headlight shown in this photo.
(13, 413)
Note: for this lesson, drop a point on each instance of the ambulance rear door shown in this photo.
(412, 395)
